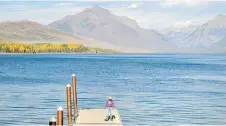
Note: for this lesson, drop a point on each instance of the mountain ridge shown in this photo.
(25, 31)
(98, 23)
(32, 31)
(203, 37)
(98, 27)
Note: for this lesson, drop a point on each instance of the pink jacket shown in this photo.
(110, 103)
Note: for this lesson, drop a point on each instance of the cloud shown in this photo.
(188, 3)
(135, 5)
(161, 20)
(40, 15)
(81, 0)
(147, 19)
(63, 4)
(182, 24)
(193, 21)
(14, 7)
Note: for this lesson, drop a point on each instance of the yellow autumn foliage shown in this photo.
(41, 48)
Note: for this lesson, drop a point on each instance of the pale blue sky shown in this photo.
(149, 14)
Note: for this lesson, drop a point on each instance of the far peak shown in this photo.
(96, 6)
(98, 9)
(219, 16)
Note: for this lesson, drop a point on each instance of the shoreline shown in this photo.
(55, 53)
(114, 53)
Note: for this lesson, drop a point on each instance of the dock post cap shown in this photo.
(60, 109)
(68, 85)
(73, 75)
(52, 119)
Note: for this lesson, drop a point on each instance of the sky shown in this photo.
(152, 14)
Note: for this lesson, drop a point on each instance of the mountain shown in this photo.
(100, 24)
(204, 36)
(32, 32)
(28, 31)
(175, 32)
(219, 46)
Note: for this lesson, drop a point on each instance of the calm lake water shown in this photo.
(155, 90)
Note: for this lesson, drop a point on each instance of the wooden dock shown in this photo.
(83, 117)
(90, 117)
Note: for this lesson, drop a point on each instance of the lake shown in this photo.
(148, 89)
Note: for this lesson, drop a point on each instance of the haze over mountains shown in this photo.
(32, 32)
(98, 27)
(29, 31)
(209, 36)
(98, 23)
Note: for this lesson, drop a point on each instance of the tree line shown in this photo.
(7, 47)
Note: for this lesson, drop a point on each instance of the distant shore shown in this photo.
(49, 48)
(3, 53)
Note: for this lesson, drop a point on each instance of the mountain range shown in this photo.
(208, 36)
(98, 27)
(98, 23)
(32, 32)
(28, 31)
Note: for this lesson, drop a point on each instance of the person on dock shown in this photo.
(109, 105)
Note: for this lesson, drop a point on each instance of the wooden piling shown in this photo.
(83, 116)
(74, 95)
(60, 116)
(52, 122)
(69, 108)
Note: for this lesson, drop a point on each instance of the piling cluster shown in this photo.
(69, 92)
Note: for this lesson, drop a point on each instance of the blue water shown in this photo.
(163, 89)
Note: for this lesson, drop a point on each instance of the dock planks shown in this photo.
(91, 117)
